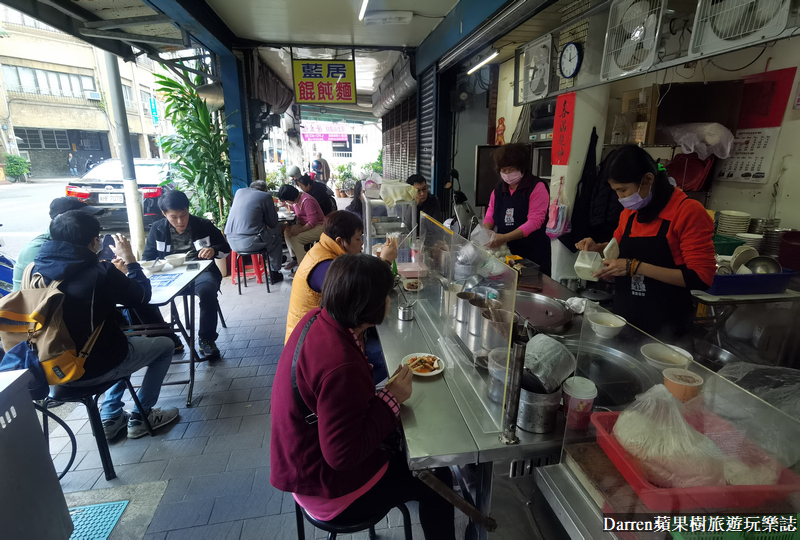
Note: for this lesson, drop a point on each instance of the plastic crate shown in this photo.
(724, 245)
(686, 499)
(751, 283)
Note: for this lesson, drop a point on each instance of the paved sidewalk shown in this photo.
(216, 457)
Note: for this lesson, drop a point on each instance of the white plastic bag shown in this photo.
(481, 236)
(703, 138)
(671, 452)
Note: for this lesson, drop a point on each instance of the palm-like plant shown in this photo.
(199, 147)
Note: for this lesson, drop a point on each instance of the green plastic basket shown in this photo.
(724, 245)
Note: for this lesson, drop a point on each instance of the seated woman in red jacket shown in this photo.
(327, 436)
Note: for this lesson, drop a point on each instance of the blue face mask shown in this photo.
(635, 201)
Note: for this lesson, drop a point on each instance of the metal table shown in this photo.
(166, 294)
(444, 421)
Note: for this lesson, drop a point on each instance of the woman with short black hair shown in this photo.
(666, 246)
(518, 207)
(338, 465)
(320, 192)
(309, 223)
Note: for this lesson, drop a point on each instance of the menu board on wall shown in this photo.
(751, 156)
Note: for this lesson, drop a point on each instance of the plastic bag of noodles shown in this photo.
(671, 452)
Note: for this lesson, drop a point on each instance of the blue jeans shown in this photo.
(154, 353)
(73, 171)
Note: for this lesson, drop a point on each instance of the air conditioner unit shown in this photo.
(92, 95)
(534, 69)
(727, 24)
(632, 37)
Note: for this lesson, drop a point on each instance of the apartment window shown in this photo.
(145, 96)
(359, 139)
(127, 94)
(36, 139)
(47, 83)
(90, 140)
(13, 16)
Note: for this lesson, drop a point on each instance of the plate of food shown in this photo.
(424, 364)
(413, 285)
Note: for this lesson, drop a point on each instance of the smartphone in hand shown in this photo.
(105, 253)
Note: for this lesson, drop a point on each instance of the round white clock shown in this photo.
(570, 60)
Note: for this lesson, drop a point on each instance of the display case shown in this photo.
(378, 225)
(650, 431)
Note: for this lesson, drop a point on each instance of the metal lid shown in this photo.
(580, 388)
(542, 312)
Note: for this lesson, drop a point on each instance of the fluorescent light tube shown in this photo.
(363, 9)
(483, 62)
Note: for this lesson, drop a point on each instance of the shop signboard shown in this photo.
(154, 110)
(751, 156)
(324, 81)
(325, 131)
(562, 128)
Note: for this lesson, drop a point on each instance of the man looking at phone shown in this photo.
(198, 238)
(31, 250)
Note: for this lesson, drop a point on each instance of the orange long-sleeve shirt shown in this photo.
(690, 237)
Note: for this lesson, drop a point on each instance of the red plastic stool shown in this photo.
(258, 266)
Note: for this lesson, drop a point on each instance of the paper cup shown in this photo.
(682, 383)
(579, 394)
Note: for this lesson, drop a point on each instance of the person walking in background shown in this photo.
(73, 165)
(321, 169)
(253, 225)
(309, 223)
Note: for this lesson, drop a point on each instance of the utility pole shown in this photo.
(133, 200)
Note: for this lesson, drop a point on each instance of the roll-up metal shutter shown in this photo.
(426, 122)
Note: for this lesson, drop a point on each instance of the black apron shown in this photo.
(660, 309)
(511, 211)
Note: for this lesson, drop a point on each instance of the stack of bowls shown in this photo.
(771, 246)
(750, 239)
(761, 225)
(732, 223)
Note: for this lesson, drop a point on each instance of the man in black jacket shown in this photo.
(92, 290)
(181, 232)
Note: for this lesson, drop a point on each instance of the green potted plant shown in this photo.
(16, 167)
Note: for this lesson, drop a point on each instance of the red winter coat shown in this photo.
(339, 453)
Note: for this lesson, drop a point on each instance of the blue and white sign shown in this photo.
(154, 110)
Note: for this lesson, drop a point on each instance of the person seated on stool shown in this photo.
(181, 232)
(340, 466)
(321, 193)
(92, 290)
(309, 223)
(253, 226)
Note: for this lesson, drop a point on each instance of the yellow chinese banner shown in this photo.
(324, 81)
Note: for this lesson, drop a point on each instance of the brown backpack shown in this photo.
(35, 314)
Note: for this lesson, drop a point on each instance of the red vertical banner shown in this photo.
(562, 128)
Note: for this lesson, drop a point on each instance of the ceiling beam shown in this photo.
(137, 38)
(110, 24)
(69, 18)
(199, 20)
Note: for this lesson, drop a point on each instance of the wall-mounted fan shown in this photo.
(534, 69)
(462, 94)
(632, 37)
(726, 24)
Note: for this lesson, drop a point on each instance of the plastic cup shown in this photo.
(579, 394)
(682, 383)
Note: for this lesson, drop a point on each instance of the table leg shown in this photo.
(193, 352)
(483, 499)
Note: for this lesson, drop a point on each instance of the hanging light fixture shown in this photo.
(492, 53)
(363, 9)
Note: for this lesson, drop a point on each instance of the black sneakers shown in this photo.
(208, 349)
(275, 277)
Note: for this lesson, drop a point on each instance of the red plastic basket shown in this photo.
(730, 441)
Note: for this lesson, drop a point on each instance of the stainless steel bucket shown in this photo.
(405, 313)
(495, 322)
(538, 412)
(462, 306)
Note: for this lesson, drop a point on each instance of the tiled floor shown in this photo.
(216, 457)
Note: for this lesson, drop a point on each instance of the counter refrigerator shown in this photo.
(713, 464)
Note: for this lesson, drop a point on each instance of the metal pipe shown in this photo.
(514, 378)
(133, 201)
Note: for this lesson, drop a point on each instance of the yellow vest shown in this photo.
(304, 298)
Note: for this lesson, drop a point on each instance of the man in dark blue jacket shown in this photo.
(92, 291)
(181, 232)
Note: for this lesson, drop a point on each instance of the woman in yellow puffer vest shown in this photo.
(341, 234)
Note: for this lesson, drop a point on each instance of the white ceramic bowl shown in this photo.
(663, 357)
(148, 267)
(176, 259)
(606, 325)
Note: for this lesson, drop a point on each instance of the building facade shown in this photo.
(54, 99)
